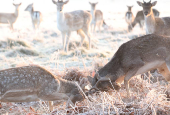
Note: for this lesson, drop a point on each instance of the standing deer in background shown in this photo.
(160, 26)
(97, 17)
(36, 16)
(140, 19)
(10, 18)
(134, 57)
(129, 17)
(34, 83)
(72, 21)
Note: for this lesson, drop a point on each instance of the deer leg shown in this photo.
(11, 26)
(135, 67)
(53, 97)
(67, 42)
(128, 76)
(63, 38)
(50, 104)
(163, 70)
(99, 26)
(33, 25)
(86, 31)
(94, 29)
(81, 33)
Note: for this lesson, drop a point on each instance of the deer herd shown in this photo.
(137, 56)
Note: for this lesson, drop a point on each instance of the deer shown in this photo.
(140, 19)
(36, 16)
(97, 17)
(160, 26)
(10, 18)
(134, 57)
(35, 83)
(129, 17)
(67, 22)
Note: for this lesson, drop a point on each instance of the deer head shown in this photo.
(102, 83)
(60, 4)
(17, 5)
(93, 5)
(147, 7)
(129, 8)
(29, 7)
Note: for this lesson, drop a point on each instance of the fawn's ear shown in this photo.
(90, 3)
(139, 3)
(154, 3)
(96, 3)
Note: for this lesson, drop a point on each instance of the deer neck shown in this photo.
(150, 23)
(60, 19)
(16, 12)
(113, 68)
(93, 11)
(32, 11)
(66, 86)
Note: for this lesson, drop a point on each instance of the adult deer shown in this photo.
(34, 83)
(140, 19)
(129, 17)
(97, 17)
(134, 57)
(160, 26)
(36, 16)
(72, 21)
(10, 18)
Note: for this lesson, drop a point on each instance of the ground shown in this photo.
(24, 46)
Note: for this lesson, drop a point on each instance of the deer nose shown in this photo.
(146, 13)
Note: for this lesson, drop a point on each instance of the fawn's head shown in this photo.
(60, 4)
(29, 7)
(17, 5)
(93, 5)
(129, 8)
(147, 7)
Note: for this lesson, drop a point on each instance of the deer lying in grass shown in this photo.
(129, 17)
(36, 16)
(72, 21)
(160, 26)
(140, 19)
(10, 18)
(134, 57)
(97, 17)
(34, 83)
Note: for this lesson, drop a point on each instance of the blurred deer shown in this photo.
(97, 17)
(10, 18)
(72, 21)
(129, 17)
(34, 83)
(160, 26)
(36, 16)
(134, 57)
(140, 19)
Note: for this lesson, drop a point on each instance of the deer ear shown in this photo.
(96, 2)
(66, 2)
(54, 2)
(90, 3)
(154, 3)
(139, 3)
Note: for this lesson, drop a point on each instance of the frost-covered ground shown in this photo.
(25, 46)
